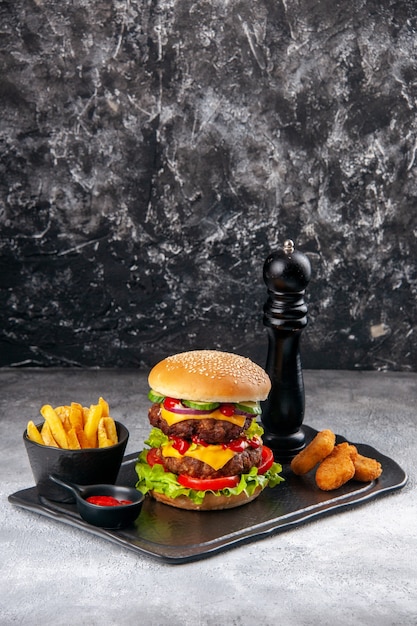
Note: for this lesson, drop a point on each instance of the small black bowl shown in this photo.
(109, 517)
(87, 466)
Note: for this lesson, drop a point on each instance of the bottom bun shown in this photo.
(211, 502)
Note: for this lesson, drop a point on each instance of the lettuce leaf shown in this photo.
(254, 430)
(156, 438)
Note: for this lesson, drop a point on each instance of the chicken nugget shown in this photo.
(366, 469)
(337, 468)
(352, 450)
(317, 450)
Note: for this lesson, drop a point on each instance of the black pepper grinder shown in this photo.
(286, 274)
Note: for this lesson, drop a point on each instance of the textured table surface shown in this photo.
(354, 567)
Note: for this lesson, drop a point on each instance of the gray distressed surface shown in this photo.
(357, 567)
(153, 153)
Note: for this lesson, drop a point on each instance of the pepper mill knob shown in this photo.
(286, 274)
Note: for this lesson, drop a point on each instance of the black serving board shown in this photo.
(176, 536)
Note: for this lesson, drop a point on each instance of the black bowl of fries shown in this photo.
(76, 452)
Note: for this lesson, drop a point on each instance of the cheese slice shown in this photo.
(174, 418)
(215, 456)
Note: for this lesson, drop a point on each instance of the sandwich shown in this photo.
(205, 449)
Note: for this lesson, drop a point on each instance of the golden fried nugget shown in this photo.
(366, 469)
(317, 450)
(337, 468)
(352, 450)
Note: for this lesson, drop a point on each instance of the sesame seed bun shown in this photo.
(210, 376)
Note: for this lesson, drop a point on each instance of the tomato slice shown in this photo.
(152, 457)
(203, 484)
(267, 460)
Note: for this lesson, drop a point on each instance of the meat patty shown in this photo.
(208, 429)
(239, 464)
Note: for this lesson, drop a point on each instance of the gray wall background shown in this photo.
(153, 153)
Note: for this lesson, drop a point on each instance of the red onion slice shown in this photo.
(245, 414)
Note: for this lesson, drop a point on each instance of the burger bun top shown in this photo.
(210, 376)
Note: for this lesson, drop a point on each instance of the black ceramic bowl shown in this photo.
(84, 467)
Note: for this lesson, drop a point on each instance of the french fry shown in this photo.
(33, 433)
(86, 413)
(111, 430)
(91, 425)
(73, 441)
(47, 436)
(62, 412)
(66, 422)
(103, 440)
(105, 407)
(56, 426)
(82, 438)
(76, 416)
(74, 427)
(106, 431)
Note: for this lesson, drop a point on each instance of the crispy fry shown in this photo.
(47, 436)
(103, 442)
(366, 469)
(66, 422)
(317, 450)
(110, 429)
(33, 433)
(62, 412)
(82, 438)
(74, 426)
(337, 468)
(91, 424)
(55, 424)
(102, 432)
(73, 441)
(104, 407)
(76, 416)
(86, 413)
